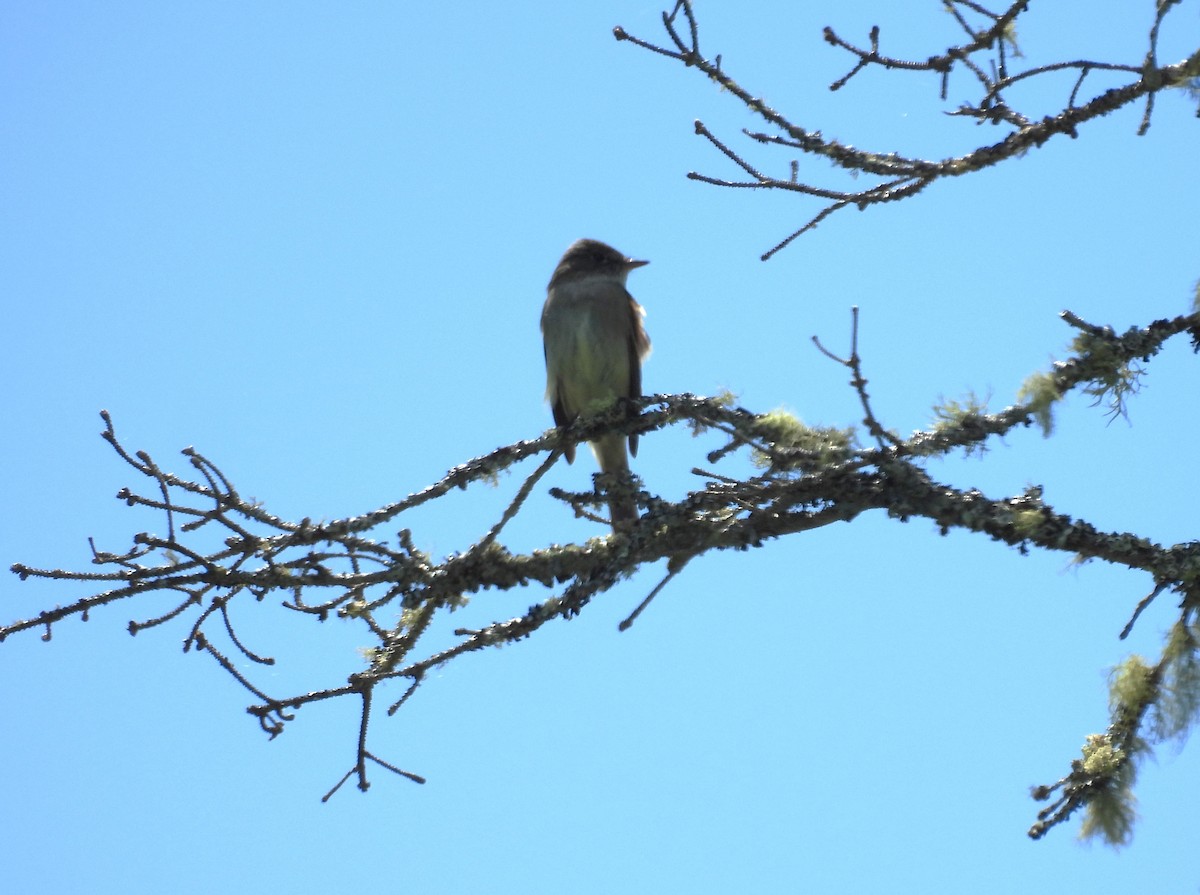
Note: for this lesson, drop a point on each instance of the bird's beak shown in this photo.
(631, 263)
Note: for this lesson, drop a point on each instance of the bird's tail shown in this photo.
(614, 461)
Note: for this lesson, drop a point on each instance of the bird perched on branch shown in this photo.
(595, 344)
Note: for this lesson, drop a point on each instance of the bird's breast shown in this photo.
(587, 344)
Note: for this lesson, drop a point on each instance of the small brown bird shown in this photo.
(595, 344)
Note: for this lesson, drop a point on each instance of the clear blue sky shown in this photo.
(312, 240)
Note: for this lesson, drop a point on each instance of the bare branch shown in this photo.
(905, 177)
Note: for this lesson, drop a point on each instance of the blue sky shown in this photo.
(312, 240)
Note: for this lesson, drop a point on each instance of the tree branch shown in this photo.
(808, 478)
(904, 177)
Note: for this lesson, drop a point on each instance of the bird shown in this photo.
(595, 343)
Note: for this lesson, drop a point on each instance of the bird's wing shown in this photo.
(554, 389)
(639, 347)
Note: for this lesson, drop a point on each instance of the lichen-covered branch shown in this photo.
(223, 555)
